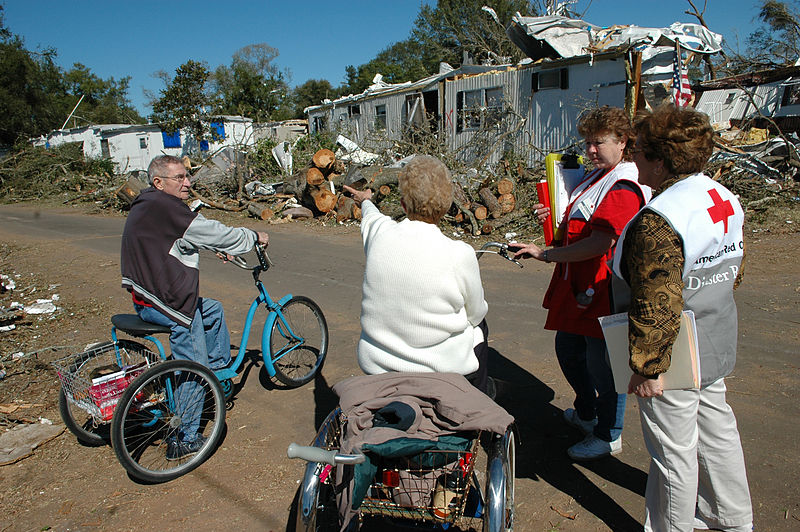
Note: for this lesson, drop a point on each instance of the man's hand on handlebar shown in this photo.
(263, 238)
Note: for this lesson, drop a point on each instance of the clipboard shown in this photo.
(684, 368)
(564, 172)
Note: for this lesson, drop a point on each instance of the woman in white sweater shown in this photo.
(422, 308)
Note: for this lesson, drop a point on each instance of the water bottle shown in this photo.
(585, 298)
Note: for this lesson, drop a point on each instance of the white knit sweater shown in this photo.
(422, 298)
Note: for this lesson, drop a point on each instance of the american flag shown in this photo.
(681, 90)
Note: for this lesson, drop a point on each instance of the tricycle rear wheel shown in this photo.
(146, 430)
(80, 423)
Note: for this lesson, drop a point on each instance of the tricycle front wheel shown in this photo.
(298, 341)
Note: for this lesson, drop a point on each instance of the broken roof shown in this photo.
(555, 37)
(749, 79)
(381, 88)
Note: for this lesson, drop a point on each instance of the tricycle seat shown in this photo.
(135, 326)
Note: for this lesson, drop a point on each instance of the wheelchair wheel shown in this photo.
(296, 361)
(499, 516)
(80, 423)
(316, 505)
(150, 421)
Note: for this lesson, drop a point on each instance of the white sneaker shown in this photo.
(572, 419)
(592, 448)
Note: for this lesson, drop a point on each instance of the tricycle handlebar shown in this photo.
(315, 454)
(502, 250)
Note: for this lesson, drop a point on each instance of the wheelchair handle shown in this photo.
(315, 454)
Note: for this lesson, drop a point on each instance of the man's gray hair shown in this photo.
(159, 165)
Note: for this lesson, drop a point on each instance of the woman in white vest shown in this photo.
(579, 292)
(684, 251)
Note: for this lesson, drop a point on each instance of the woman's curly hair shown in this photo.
(426, 188)
(607, 119)
(680, 137)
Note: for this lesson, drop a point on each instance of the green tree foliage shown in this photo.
(779, 42)
(185, 102)
(403, 61)
(252, 85)
(32, 95)
(105, 101)
(453, 27)
(444, 33)
(312, 92)
(775, 42)
(36, 95)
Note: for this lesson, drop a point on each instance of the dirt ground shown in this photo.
(249, 484)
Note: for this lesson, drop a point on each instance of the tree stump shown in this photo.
(314, 177)
(507, 203)
(323, 159)
(130, 190)
(480, 212)
(264, 213)
(324, 200)
(491, 202)
(505, 186)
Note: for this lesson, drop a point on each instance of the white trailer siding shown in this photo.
(131, 147)
(550, 112)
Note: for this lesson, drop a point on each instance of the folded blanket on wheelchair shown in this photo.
(403, 414)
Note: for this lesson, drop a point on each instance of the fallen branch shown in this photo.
(216, 204)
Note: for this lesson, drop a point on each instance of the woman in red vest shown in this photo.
(580, 289)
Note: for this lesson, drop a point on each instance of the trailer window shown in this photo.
(380, 117)
(479, 108)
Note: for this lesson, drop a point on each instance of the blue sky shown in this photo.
(316, 39)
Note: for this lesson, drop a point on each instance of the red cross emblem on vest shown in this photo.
(721, 210)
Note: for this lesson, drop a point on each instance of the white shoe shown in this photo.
(572, 419)
(592, 448)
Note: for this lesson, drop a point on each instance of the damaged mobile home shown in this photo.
(755, 98)
(132, 146)
(531, 108)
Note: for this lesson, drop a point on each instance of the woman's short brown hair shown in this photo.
(607, 119)
(426, 188)
(680, 137)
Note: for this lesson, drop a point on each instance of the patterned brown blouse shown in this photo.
(652, 263)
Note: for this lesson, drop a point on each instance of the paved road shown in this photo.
(327, 265)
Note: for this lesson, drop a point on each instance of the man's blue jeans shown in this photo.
(207, 342)
(583, 362)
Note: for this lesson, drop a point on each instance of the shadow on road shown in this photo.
(543, 441)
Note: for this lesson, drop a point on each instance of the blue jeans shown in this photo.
(207, 341)
(583, 362)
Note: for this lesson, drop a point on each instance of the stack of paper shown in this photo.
(684, 369)
(561, 181)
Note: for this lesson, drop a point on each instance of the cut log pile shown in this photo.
(315, 190)
(493, 206)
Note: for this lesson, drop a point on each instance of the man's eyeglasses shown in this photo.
(181, 177)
